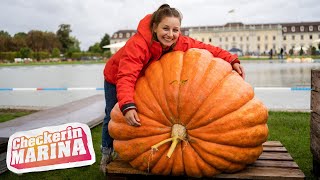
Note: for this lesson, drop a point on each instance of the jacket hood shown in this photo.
(144, 28)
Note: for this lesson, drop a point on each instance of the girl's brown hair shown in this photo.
(164, 11)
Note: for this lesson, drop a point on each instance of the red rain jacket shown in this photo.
(124, 67)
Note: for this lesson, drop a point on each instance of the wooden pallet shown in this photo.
(274, 163)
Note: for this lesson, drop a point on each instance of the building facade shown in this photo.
(251, 39)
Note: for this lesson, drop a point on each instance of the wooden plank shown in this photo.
(3, 144)
(89, 111)
(315, 124)
(275, 156)
(274, 163)
(270, 163)
(315, 135)
(265, 173)
(315, 147)
(272, 143)
(123, 167)
(315, 79)
(274, 149)
(315, 101)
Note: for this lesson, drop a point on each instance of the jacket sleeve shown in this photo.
(131, 63)
(216, 51)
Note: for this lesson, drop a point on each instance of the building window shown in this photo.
(210, 40)
(318, 27)
(241, 38)
(310, 36)
(274, 46)
(120, 35)
(301, 37)
(202, 39)
(284, 38)
(284, 29)
(266, 47)
(274, 38)
(266, 37)
(284, 47)
(258, 47)
(258, 38)
(293, 37)
(226, 39)
(301, 28)
(310, 28)
(293, 29)
(127, 35)
(233, 38)
(115, 35)
(247, 38)
(220, 39)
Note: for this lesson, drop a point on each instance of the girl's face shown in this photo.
(167, 31)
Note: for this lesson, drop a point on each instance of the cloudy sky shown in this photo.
(91, 19)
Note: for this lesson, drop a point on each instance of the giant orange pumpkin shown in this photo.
(199, 118)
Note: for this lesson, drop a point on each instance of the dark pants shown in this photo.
(110, 95)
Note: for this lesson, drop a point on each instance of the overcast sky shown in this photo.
(91, 19)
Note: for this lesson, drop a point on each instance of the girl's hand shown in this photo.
(132, 118)
(239, 69)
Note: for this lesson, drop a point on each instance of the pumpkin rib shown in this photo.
(200, 70)
(242, 117)
(143, 105)
(213, 90)
(217, 161)
(163, 166)
(171, 66)
(244, 137)
(206, 114)
(125, 131)
(140, 145)
(157, 99)
(233, 154)
(148, 159)
(195, 166)
(211, 65)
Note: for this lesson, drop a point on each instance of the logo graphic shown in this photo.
(55, 147)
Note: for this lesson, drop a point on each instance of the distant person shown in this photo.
(281, 53)
(157, 34)
(270, 54)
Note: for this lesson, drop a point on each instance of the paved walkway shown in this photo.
(89, 111)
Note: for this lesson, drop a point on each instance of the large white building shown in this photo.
(249, 38)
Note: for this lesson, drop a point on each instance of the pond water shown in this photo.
(259, 74)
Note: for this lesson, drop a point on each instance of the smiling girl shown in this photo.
(157, 34)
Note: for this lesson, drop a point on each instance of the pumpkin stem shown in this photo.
(178, 133)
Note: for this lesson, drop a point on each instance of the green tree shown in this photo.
(35, 40)
(25, 52)
(20, 41)
(96, 48)
(313, 50)
(291, 52)
(105, 41)
(63, 34)
(301, 52)
(50, 41)
(55, 53)
(5, 41)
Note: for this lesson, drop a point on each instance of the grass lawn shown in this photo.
(290, 128)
